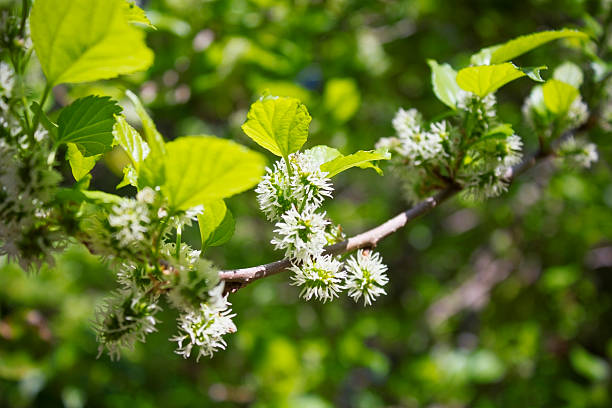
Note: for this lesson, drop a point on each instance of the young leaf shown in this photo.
(484, 79)
(362, 159)
(505, 52)
(153, 137)
(88, 122)
(129, 139)
(278, 124)
(79, 164)
(569, 73)
(444, 81)
(135, 14)
(86, 40)
(558, 96)
(322, 154)
(216, 224)
(200, 169)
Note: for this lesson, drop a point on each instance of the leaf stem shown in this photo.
(179, 234)
(43, 99)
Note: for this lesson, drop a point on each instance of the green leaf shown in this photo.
(278, 124)
(153, 137)
(505, 52)
(558, 96)
(79, 164)
(216, 223)
(88, 123)
(322, 154)
(341, 97)
(484, 79)
(129, 139)
(86, 40)
(569, 73)
(200, 169)
(362, 159)
(135, 14)
(444, 81)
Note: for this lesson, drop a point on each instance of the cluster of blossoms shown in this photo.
(30, 231)
(429, 157)
(127, 234)
(291, 194)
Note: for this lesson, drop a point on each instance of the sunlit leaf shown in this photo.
(130, 140)
(201, 169)
(362, 159)
(153, 137)
(278, 124)
(558, 96)
(444, 81)
(484, 79)
(505, 52)
(86, 40)
(135, 14)
(321, 154)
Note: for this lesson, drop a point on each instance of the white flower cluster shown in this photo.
(126, 317)
(281, 189)
(428, 159)
(366, 276)
(28, 234)
(415, 142)
(204, 328)
(302, 231)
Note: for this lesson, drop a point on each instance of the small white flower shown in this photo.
(278, 190)
(366, 276)
(577, 114)
(513, 151)
(130, 219)
(301, 235)
(415, 142)
(320, 277)
(204, 329)
(483, 108)
(486, 185)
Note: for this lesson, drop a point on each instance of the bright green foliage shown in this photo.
(278, 124)
(444, 81)
(216, 223)
(484, 79)
(86, 40)
(130, 140)
(569, 73)
(88, 122)
(200, 169)
(135, 14)
(153, 137)
(79, 164)
(558, 96)
(520, 45)
(362, 159)
(322, 154)
(341, 98)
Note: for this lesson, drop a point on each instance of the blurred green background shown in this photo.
(501, 304)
